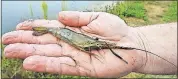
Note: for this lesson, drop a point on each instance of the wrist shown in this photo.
(139, 41)
(156, 40)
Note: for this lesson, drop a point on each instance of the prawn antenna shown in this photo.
(131, 48)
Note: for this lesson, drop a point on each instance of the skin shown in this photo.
(48, 54)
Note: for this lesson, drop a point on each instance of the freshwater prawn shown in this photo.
(83, 42)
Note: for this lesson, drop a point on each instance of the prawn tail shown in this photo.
(39, 31)
(39, 28)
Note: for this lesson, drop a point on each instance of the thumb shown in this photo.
(76, 18)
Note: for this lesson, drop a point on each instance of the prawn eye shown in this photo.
(96, 38)
(86, 48)
(97, 44)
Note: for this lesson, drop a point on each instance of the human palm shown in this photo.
(46, 53)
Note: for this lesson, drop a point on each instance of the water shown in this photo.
(13, 12)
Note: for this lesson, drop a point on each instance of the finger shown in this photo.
(27, 25)
(75, 18)
(20, 50)
(27, 37)
(60, 65)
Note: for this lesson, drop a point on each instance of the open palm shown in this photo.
(46, 53)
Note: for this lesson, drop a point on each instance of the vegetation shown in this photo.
(135, 13)
(129, 9)
(31, 11)
(139, 13)
(171, 14)
(63, 5)
(45, 9)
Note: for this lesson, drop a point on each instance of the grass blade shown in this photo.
(45, 9)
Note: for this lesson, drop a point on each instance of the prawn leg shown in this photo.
(116, 54)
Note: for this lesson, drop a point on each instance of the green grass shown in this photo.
(31, 11)
(171, 14)
(138, 75)
(129, 9)
(45, 9)
(63, 5)
(139, 13)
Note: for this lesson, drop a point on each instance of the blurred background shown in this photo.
(135, 14)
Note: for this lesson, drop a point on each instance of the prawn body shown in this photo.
(79, 41)
(84, 42)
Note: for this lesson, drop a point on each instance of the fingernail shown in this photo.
(31, 63)
(8, 37)
(24, 25)
(28, 63)
(18, 26)
(8, 50)
(62, 17)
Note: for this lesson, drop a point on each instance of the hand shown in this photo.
(48, 54)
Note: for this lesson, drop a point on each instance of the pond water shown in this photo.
(14, 12)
